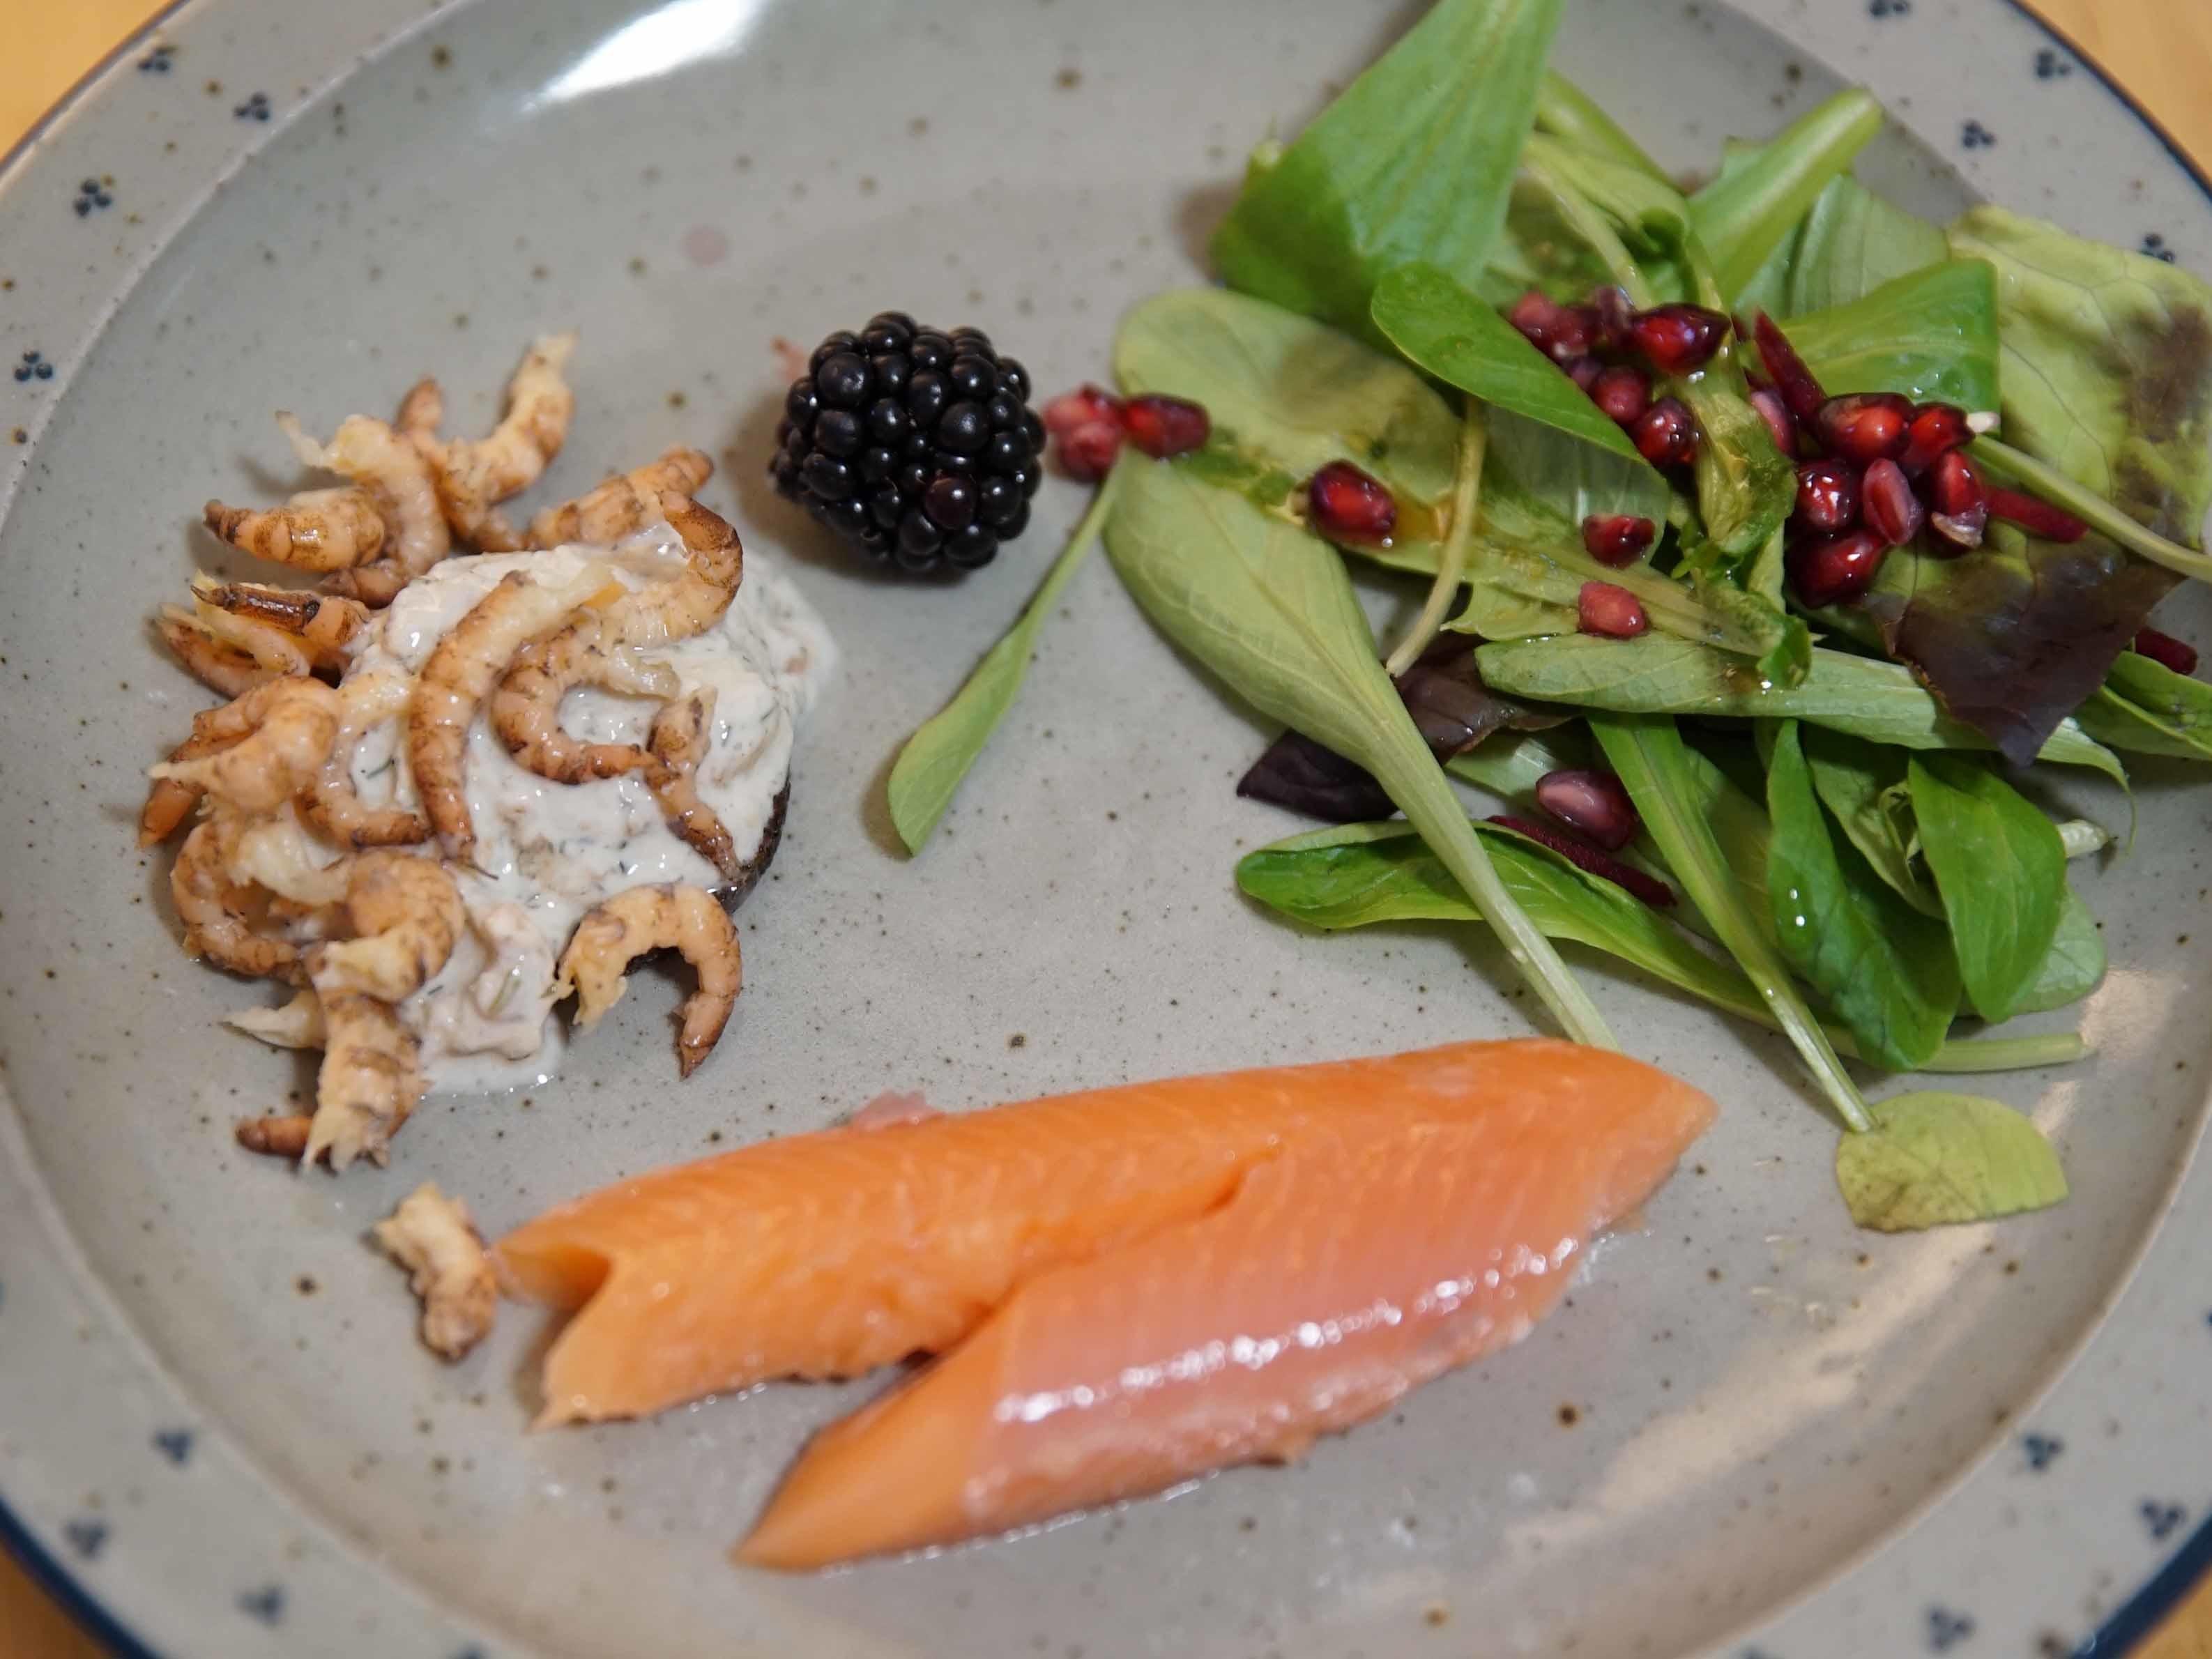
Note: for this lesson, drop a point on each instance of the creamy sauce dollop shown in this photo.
(546, 852)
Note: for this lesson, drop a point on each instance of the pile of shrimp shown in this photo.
(264, 780)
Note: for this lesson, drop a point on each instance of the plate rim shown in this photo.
(2187, 1567)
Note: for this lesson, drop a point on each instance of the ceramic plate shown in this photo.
(1754, 1431)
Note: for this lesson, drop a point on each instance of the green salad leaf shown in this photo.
(1935, 1159)
(2146, 707)
(1288, 395)
(1881, 701)
(1851, 244)
(1746, 486)
(1647, 754)
(1362, 875)
(1565, 111)
(1414, 160)
(1448, 330)
(1863, 787)
(1755, 204)
(2000, 869)
(2107, 373)
(1266, 606)
(935, 760)
(2075, 963)
(1885, 967)
(1931, 335)
(2003, 465)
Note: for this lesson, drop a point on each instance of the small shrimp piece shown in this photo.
(421, 412)
(169, 803)
(215, 909)
(317, 530)
(323, 626)
(525, 709)
(406, 914)
(331, 804)
(473, 475)
(433, 1237)
(282, 1136)
(216, 664)
(403, 483)
(678, 742)
(275, 738)
(271, 651)
(714, 565)
(460, 674)
(295, 1025)
(276, 855)
(627, 503)
(672, 916)
(371, 1079)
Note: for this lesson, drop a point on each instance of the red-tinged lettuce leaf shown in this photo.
(1449, 704)
(2012, 638)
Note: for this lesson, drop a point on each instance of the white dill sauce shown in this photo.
(547, 852)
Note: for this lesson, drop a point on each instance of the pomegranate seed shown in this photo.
(1827, 496)
(1678, 339)
(1348, 505)
(1163, 426)
(1088, 452)
(1584, 370)
(1617, 539)
(1866, 427)
(1560, 332)
(1584, 856)
(2036, 518)
(1889, 507)
(1595, 804)
(1829, 569)
(1086, 403)
(1779, 421)
(1601, 608)
(1937, 430)
(1666, 434)
(1787, 369)
(1623, 393)
(1958, 506)
(2178, 654)
(1615, 315)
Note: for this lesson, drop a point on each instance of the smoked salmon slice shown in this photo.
(1354, 1265)
(826, 1254)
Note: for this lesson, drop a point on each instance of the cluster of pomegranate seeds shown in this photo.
(2163, 648)
(1593, 805)
(1670, 339)
(1617, 539)
(1348, 505)
(1616, 613)
(1876, 471)
(1584, 856)
(1089, 423)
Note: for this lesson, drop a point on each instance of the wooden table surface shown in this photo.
(2159, 50)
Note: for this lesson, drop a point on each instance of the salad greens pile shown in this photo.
(1841, 798)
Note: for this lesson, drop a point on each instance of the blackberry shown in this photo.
(916, 445)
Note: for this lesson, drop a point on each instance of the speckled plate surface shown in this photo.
(1753, 1431)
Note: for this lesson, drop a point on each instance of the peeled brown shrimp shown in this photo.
(317, 530)
(216, 664)
(331, 804)
(714, 565)
(422, 411)
(406, 914)
(169, 803)
(672, 916)
(401, 481)
(526, 708)
(282, 1136)
(371, 1079)
(433, 1237)
(274, 739)
(473, 475)
(215, 909)
(461, 673)
(678, 742)
(622, 504)
(322, 626)
(295, 1024)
